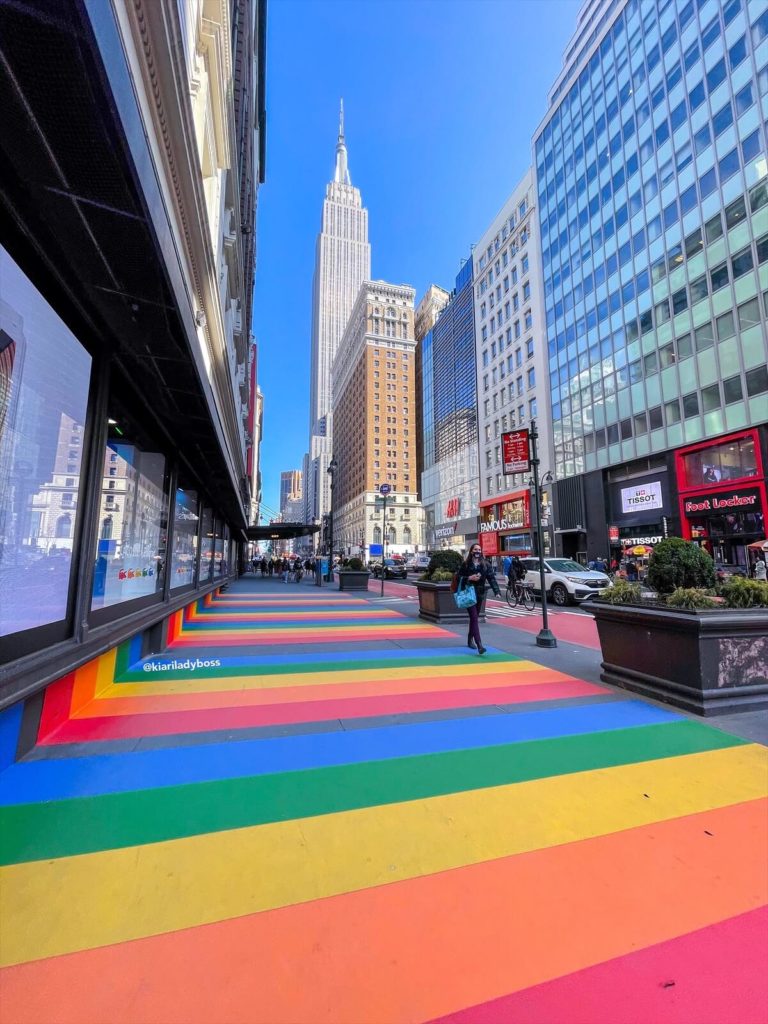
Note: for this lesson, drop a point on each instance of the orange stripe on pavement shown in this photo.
(420, 948)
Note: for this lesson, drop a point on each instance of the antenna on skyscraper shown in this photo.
(341, 120)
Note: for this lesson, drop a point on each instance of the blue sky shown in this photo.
(441, 98)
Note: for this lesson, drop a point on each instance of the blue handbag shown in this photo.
(465, 596)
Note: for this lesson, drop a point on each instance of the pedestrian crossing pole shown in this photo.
(545, 637)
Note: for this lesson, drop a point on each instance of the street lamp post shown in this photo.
(384, 490)
(332, 468)
(546, 479)
(545, 637)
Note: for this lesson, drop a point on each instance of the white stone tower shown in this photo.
(342, 263)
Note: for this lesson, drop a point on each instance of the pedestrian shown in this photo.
(263, 566)
(284, 568)
(761, 573)
(477, 573)
(632, 571)
(506, 565)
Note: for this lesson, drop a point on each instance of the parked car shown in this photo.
(566, 580)
(419, 563)
(392, 570)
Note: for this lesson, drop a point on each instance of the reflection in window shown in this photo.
(206, 547)
(184, 554)
(130, 552)
(44, 379)
(730, 460)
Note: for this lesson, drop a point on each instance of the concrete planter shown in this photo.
(708, 662)
(436, 603)
(353, 579)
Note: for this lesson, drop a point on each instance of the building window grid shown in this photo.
(547, 223)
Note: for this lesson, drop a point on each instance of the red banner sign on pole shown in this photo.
(514, 452)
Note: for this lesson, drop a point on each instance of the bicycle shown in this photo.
(520, 592)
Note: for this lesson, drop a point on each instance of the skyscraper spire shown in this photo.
(341, 174)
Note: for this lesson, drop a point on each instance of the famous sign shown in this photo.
(514, 451)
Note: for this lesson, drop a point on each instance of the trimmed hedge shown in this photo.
(447, 561)
(677, 563)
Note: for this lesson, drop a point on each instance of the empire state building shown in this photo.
(342, 263)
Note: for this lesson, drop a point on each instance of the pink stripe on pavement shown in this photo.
(711, 976)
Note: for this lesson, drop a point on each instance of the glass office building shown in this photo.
(449, 485)
(652, 182)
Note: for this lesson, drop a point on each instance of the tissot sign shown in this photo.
(633, 499)
(514, 452)
(723, 502)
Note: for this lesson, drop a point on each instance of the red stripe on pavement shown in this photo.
(80, 730)
(571, 628)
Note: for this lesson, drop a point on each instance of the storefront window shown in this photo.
(218, 549)
(44, 381)
(184, 555)
(514, 512)
(732, 460)
(133, 514)
(206, 547)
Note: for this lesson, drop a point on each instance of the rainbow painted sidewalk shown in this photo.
(380, 827)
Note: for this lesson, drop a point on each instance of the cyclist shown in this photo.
(516, 571)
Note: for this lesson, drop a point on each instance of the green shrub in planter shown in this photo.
(441, 576)
(354, 564)
(690, 598)
(739, 592)
(623, 592)
(679, 563)
(447, 561)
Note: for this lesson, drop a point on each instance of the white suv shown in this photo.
(565, 580)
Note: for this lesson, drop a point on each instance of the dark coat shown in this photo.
(487, 578)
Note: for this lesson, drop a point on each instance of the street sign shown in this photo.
(514, 451)
(376, 549)
(384, 489)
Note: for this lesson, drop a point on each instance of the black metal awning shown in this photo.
(281, 531)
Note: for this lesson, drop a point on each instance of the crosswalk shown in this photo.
(495, 611)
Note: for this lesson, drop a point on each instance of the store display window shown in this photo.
(206, 547)
(44, 385)
(732, 460)
(218, 549)
(186, 521)
(133, 516)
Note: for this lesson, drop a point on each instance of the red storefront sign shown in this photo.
(514, 451)
(740, 500)
(489, 544)
(452, 508)
(613, 533)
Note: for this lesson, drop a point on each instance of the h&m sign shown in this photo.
(452, 509)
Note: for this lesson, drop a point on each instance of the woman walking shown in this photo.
(476, 572)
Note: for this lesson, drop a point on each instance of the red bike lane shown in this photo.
(570, 626)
